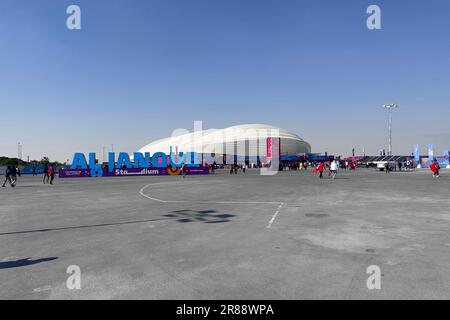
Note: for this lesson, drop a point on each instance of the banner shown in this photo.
(130, 172)
(446, 158)
(430, 155)
(273, 156)
(416, 153)
(269, 148)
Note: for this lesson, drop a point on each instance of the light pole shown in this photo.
(390, 107)
(19, 151)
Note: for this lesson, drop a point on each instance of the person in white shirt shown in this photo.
(333, 169)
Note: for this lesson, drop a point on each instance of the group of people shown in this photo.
(399, 166)
(343, 165)
(234, 168)
(49, 174)
(11, 174)
(331, 166)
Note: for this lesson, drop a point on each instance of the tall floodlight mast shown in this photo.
(390, 107)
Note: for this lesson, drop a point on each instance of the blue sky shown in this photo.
(139, 69)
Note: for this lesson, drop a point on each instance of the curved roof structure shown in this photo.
(242, 140)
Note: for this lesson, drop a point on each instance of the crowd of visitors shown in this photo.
(320, 168)
(12, 173)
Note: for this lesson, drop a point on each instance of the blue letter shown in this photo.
(111, 161)
(79, 161)
(124, 160)
(155, 157)
(92, 164)
(192, 159)
(174, 163)
(139, 158)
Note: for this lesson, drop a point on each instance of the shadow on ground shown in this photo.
(205, 216)
(24, 262)
(80, 227)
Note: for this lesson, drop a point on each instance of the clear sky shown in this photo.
(139, 69)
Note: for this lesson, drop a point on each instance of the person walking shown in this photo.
(8, 177)
(437, 168)
(183, 170)
(320, 168)
(333, 169)
(434, 167)
(46, 176)
(386, 167)
(51, 172)
(13, 176)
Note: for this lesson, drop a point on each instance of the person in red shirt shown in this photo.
(434, 167)
(51, 173)
(320, 169)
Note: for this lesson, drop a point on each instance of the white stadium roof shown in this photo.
(230, 139)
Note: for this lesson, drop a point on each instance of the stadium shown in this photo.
(243, 143)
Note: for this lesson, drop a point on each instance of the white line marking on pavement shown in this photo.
(46, 288)
(141, 192)
(274, 216)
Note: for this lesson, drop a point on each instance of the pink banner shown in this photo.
(269, 149)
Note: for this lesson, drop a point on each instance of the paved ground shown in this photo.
(227, 237)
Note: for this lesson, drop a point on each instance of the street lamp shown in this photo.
(390, 107)
(19, 151)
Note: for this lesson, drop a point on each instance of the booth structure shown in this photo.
(424, 161)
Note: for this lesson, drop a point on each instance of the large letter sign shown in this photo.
(142, 165)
